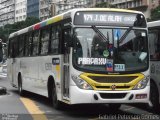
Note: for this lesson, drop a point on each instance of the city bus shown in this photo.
(154, 45)
(83, 56)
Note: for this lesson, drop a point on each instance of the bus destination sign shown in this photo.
(103, 18)
(107, 18)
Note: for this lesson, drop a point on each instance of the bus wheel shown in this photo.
(56, 103)
(20, 89)
(114, 106)
(154, 97)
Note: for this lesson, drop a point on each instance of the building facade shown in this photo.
(44, 8)
(20, 10)
(65, 5)
(50, 8)
(7, 12)
(17, 10)
(144, 6)
(33, 8)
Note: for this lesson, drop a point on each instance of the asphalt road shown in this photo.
(36, 107)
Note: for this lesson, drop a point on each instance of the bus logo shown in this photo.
(113, 87)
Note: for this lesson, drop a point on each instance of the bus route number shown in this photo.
(55, 61)
(119, 67)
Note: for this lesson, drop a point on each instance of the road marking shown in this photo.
(35, 112)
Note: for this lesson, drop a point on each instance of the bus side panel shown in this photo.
(29, 72)
(50, 66)
(36, 71)
(9, 70)
(155, 74)
(13, 69)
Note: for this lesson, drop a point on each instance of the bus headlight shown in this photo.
(142, 84)
(81, 83)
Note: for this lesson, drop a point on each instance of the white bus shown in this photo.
(154, 43)
(88, 55)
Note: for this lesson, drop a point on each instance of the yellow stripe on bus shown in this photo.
(35, 112)
(58, 71)
(54, 19)
(111, 9)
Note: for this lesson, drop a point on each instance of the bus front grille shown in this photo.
(113, 79)
(112, 82)
(117, 87)
(112, 95)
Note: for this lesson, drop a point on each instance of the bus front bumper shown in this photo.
(79, 96)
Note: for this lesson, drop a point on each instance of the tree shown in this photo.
(9, 28)
(31, 20)
(155, 14)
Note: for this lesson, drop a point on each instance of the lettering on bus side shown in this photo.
(48, 66)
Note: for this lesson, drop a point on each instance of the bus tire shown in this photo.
(154, 97)
(114, 106)
(20, 89)
(56, 103)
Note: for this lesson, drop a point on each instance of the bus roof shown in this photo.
(63, 16)
(154, 23)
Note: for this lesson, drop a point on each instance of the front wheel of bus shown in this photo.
(56, 103)
(20, 89)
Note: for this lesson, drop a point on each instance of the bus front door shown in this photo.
(66, 51)
(14, 64)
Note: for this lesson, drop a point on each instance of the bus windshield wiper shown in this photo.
(125, 35)
(100, 34)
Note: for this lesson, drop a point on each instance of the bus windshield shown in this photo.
(110, 49)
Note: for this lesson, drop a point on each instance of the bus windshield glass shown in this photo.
(110, 50)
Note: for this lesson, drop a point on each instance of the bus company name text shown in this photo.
(92, 61)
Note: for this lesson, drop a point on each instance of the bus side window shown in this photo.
(27, 45)
(35, 43)
(15, 49)
(21, 45)
(44, 39)
(9, 48)
(154, 44)
(54, 48)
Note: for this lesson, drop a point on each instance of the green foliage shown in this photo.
(9, 28)
(155, 14)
